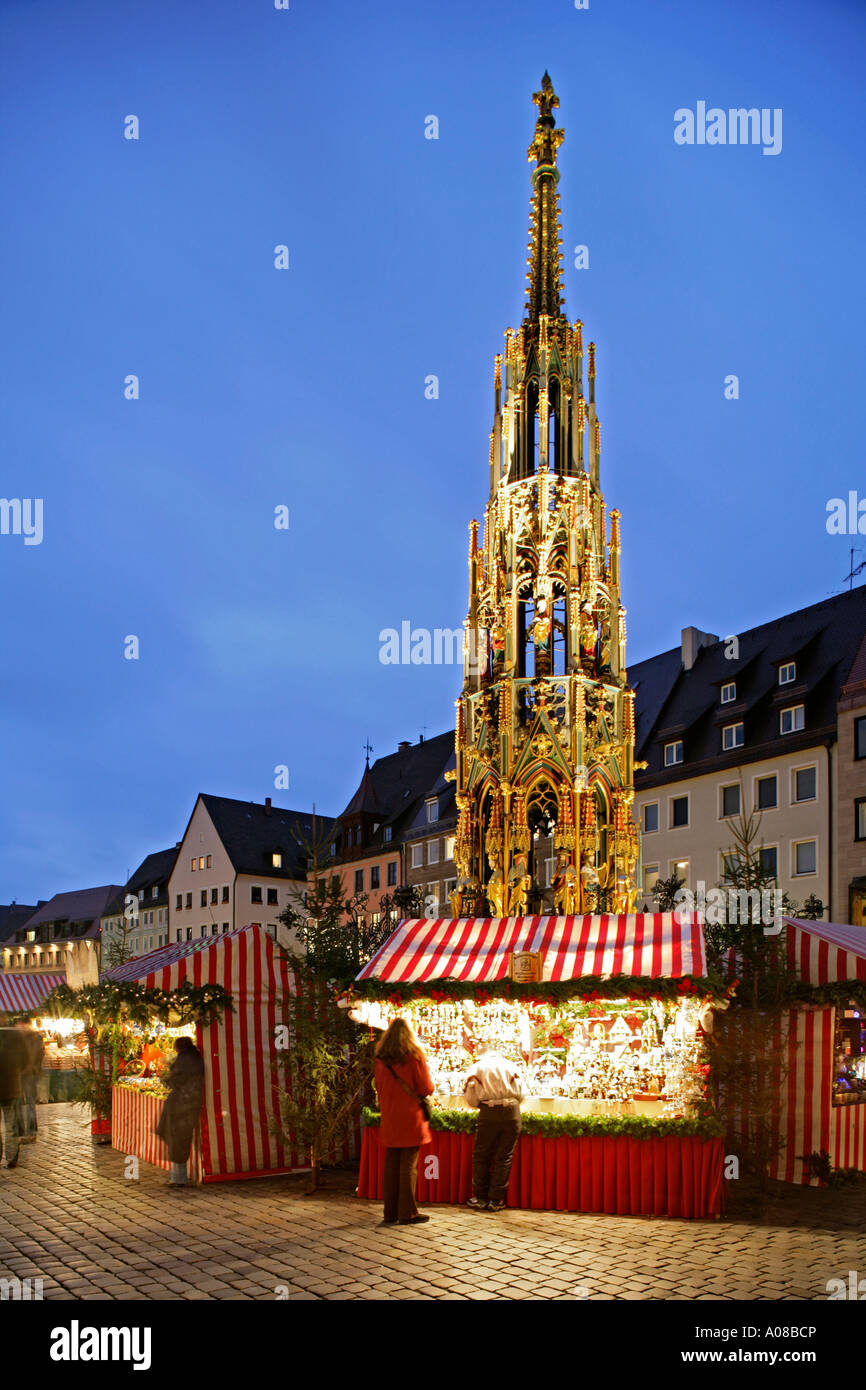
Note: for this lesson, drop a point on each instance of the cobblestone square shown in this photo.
(71, 1219)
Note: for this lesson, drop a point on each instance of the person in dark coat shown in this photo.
(13, 1060)
(182, 1108)
(401, 1078)
(35, 1048)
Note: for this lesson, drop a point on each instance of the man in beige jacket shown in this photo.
(494, 1086)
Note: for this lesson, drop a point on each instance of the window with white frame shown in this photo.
(732, 736)
(432, 851)
(432, 809)
(679, 811)
(805, 784)
(768, 857)
(449, 848)
(673, 753)
(417, 856)
(787, 673)
(805, 857)
(766, 793)
(792, 719)
(729, 692)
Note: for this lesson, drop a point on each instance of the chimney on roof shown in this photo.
(401, 747)
(692, 641)
(267, 805)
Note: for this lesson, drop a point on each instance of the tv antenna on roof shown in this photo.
(862, 566)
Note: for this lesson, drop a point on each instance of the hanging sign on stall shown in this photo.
(526, 967)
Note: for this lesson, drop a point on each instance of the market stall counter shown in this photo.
(609, 1038)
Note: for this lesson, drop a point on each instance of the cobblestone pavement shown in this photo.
(70, 1218)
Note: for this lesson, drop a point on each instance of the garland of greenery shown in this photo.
(576, 1126)
(112, 1000)
(586, 987)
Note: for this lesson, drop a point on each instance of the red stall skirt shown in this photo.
(627, 1177)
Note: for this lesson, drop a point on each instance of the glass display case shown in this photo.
(624, 1057)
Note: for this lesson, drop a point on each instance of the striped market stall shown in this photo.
(603, 1016)
(20, 991)
(823, 1099)
(243, 1070)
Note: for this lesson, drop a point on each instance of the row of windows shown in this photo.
(433, 847)
(803, 862)
(375, 880)
(205, 861)
(803, 787)
(791, 721)
(186, 933)
(203, 897)
(787, 675)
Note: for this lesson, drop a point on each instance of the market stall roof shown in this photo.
(140, 967)
(24, 991)
(651, 944)
(826, 951)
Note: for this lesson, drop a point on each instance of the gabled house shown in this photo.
(398, 801)
(241, 863)
(65, 921)
(143, 924)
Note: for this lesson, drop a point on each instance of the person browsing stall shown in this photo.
(493, 1086)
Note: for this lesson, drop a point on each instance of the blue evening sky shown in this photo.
(305, 387)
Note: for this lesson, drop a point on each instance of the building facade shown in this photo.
(66, 921)
(763, 725)
(376, 842)
(241, 863)
(545, 720)
(139, 919)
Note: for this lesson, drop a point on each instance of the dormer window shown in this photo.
(673, 753)
(729, 693)
(788, 673)
(277, 860)
(732, 737)
(793, 719)
(388, 833)
(154, 892)
(433, 809)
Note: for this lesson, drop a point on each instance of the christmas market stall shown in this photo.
(821, 1121)
(23, 995)
(606, 1017)
(226, 993)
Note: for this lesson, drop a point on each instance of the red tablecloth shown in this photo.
(628, 1177)
(134, 1117)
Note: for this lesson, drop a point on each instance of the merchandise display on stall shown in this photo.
(621, 1057)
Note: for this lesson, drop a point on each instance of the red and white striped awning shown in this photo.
(652, 944)
(826, 951)
(26, 991)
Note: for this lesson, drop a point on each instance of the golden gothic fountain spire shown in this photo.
(544, 288)
(545, 721)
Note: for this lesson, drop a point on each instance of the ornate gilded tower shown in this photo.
(545, 721)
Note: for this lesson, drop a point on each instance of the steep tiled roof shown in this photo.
(152, 871)
(251, 833)
(400, 782)
(673, 703)
(84, 905)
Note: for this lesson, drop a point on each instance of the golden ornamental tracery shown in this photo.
(545, 720)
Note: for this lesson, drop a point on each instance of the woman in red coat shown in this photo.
(401, 1078)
